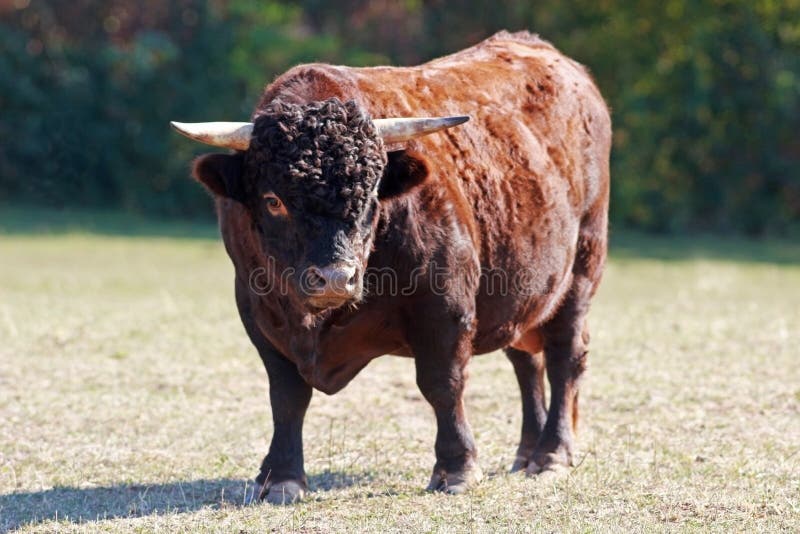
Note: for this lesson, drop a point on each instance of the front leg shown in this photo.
(282, 478)
(442, 347)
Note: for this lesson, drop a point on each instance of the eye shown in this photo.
(274, 205)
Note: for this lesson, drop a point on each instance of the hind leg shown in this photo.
(566, 357)
(529, 369)
(566, 339)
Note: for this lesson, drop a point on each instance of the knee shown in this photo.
(570, 355)
(579, 361)
(442, 390)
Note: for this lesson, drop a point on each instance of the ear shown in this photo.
(221, 174)
(404, 171)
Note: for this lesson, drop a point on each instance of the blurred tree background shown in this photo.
(705, 94)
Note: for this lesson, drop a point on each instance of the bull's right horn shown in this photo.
(397, 130)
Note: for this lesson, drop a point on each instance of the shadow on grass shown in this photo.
(82, 505)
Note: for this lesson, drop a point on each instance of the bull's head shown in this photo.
(312, 177)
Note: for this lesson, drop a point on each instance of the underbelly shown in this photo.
(510, 335)
(531, 341)
(517, 321)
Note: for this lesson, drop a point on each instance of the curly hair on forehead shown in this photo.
(326, 157)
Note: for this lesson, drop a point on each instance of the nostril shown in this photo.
(338, 281)
(314, 278)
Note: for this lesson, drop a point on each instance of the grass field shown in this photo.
(131, 400)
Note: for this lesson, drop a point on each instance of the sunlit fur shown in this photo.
(523, 187)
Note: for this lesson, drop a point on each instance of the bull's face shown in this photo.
(321, 252)
(312, 178)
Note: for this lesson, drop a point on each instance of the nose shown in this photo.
(335, 282)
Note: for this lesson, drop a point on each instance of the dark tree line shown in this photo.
(705, 94)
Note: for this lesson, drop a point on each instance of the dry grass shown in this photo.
(130, 400)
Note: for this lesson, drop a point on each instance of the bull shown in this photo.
(494, 232)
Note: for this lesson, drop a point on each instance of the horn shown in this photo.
(234, 135)
(237, 135)
(406, 128)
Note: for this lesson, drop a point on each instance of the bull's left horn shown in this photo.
(407, 128)
(234, 135)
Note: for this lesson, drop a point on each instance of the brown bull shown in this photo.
(355, 234)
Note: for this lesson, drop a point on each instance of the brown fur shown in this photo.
(522, 187)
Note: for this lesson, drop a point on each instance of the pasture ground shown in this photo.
(131, 400)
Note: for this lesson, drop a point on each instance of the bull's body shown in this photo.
(521, 188)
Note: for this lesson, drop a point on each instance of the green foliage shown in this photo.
(705, 95)
(706, 101)
(88, 119)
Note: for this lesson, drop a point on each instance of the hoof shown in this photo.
(284, 492)
(520, 464)
(455, 483)
(548, 464)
